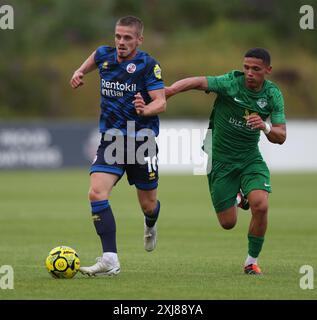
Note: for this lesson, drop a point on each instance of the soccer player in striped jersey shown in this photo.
(126, 75)
(239, 176)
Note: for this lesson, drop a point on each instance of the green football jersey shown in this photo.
(232, 139)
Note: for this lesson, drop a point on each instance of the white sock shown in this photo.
(112, 257)
(250, 260)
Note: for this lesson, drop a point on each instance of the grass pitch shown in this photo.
(194, 259)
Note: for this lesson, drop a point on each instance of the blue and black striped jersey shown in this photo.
(119, 82)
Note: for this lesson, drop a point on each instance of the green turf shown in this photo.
(195, 258)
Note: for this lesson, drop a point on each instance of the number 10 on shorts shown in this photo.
(151, 163)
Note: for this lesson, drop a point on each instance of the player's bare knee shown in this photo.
(227, 225)
(92, 195)
(227, 218)
(96, 195)
(148, 206)
(259, 208)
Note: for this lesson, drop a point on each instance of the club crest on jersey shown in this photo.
(105, 65)
(247, 114)
(157, 72)
(262, 103)
(131, 67)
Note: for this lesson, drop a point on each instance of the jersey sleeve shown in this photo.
(153, 76)
(220, 84)
(278, 115)
(100, 54)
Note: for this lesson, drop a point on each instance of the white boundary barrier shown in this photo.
(51, 145)
(297, 154)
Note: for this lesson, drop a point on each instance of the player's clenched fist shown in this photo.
(255, 122)
(77, 79)
(139, 104)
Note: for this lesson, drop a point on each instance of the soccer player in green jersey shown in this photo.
(246, 104)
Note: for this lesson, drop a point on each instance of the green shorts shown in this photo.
(226, 179)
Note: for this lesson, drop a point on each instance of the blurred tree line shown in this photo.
(52, 37)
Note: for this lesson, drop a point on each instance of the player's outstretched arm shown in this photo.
(89, 65)
(198, 83)
(156, 106)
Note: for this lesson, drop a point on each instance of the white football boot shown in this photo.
(150, 235)
(103, 267)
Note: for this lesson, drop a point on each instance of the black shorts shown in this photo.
(136, 156)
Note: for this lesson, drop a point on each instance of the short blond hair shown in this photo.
(130, 21)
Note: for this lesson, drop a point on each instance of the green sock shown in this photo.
(255, 245)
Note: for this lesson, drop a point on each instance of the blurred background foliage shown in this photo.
(188, 37)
